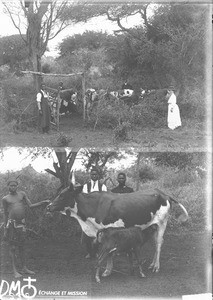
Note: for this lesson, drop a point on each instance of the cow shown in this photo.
(68, 101)
(122, 240)
(90, 99)
(97, 210)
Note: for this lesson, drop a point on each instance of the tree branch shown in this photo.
(14, 23)
(51, 172)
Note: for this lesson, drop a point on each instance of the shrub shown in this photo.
(147, 173)
(180, 178)
(19, 97)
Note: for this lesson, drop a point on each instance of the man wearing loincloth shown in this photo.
(15, 206)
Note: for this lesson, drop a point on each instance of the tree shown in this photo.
(42, 23)
(62, 168)
(12, 51)
(166, 47)
(89, 39)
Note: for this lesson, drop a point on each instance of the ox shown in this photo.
(68, 101)
(97, 210)
(123, 240)
(90, 99)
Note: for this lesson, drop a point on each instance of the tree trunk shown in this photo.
(34, 41)
(63, 166)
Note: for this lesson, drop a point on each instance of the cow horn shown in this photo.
(113, 250)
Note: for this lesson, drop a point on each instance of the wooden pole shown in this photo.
(138, 166)
(83, 95)
(51, 74)
(57, 111)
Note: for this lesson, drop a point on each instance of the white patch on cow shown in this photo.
(158, 217)
(90, 227)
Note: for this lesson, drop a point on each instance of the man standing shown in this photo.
(122, 188)
(94, 185)
(44, 116)
(15, 206)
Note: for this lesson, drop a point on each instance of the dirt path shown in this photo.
(82, 135)
(61, 266)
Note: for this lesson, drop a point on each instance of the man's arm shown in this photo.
(6, 213)
(30, 204)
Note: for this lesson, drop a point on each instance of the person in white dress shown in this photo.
(173, 118)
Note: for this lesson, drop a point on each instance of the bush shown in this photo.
(193, 103)
(147, 173)
(179, 179)
(19, 102)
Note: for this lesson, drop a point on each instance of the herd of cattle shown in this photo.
(119, 222)
(70, 99)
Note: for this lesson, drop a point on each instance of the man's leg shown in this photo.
(12, 253)
(23, 261)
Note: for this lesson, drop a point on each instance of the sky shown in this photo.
(12, 161)
(97, 24)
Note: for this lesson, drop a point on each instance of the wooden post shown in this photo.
(138, 166)
(83, 95)
(57, 111)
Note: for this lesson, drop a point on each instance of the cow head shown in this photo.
(74, 97)
(66, 198)
(108, 244)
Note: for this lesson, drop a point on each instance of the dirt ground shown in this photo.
(82, 135)
(61, 266)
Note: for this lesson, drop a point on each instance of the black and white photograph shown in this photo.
(105, 224)
(96, 74)
(105, 149)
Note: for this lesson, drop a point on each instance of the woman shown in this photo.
(173, 118)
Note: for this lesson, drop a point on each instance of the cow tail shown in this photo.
(184, 216)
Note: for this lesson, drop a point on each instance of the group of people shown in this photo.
(16, 206)
(44, 113)
(95, 185)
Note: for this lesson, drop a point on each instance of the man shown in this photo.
(122, 188)
(15, 206)
(94, 185)
(44, 116)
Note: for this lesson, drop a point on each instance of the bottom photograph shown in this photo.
(81, 223)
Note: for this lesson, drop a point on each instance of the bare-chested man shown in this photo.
(15, 205)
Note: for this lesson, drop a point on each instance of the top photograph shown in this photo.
(106, 75)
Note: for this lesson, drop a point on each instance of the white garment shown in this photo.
(39, 95)
(94, 187)
(173, 118)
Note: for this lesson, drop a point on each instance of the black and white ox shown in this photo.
(90, 99)
(99, 210)
(68, 101)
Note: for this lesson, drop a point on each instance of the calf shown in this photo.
(118, 240)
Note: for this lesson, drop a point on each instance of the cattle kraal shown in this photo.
(99, 210)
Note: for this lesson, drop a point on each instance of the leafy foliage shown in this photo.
(13, 51)
(181, 160)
